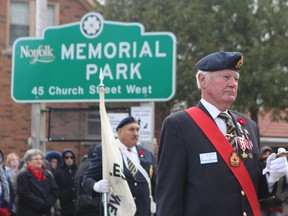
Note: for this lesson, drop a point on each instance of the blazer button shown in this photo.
(242, 193)
(135, 184)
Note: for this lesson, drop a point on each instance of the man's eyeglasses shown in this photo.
(67, 157)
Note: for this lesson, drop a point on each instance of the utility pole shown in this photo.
(38, 120)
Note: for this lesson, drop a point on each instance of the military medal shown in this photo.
(234, 159)
(244, 143)
(244, 155)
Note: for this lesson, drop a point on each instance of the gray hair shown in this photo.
(32, 152)
(205, 74)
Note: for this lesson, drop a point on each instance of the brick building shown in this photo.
(18, 19)
(273, 133)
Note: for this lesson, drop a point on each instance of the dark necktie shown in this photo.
(131, 166)
(230, 129)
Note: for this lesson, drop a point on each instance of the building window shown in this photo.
(93, 125)
(19, 20)
(23, 18)
(51, 15)
(115, 115)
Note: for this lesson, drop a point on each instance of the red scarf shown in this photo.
(37, 174)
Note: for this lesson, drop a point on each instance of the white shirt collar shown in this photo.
(124, 148)
(213, 111)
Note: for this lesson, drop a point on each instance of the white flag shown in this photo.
(120, 200)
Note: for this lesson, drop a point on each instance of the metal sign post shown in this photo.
(37, 116)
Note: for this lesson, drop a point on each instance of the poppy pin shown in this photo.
(141, 152)
(241, 121)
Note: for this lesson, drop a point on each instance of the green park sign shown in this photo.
(64, 65)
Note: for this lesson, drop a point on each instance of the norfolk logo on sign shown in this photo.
(64, 65)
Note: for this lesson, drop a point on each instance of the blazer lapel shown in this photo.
(141, 157)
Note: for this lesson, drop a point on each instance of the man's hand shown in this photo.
(275, 167)
(101, 186)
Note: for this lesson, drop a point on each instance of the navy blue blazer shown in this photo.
(138, 185)
(186, 186)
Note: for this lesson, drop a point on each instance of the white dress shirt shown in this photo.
(133, 155)
(214, 112)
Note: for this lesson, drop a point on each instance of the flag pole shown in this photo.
(101, 95)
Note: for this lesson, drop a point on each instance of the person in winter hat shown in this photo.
(65, 179)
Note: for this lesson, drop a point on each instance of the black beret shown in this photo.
(125, 121)
(221, 61)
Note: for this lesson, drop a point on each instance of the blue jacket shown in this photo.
(138, 186)
(188, 187)
(7, 201)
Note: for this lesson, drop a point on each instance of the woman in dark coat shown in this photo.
(65, 179)
(36, 189)
(54, 159)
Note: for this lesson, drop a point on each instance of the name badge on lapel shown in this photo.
(206, 158)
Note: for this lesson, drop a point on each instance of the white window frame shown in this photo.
(32, 16)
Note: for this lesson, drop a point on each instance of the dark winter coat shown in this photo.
(65, 179)
(35, 198)
(138, 185)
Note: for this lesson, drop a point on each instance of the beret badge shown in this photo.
(240, 62)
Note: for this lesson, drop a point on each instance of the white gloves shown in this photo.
(101, 186)
(275, 167)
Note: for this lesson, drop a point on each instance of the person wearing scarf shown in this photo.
(7, 207)
(36, 189)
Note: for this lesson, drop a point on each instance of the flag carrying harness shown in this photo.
(144, 173)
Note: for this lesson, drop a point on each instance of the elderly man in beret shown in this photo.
(209, 155)
(139, 165)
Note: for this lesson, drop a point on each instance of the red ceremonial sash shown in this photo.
(213, 133)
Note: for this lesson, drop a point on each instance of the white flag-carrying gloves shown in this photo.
(275, 167)
(101, 186)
